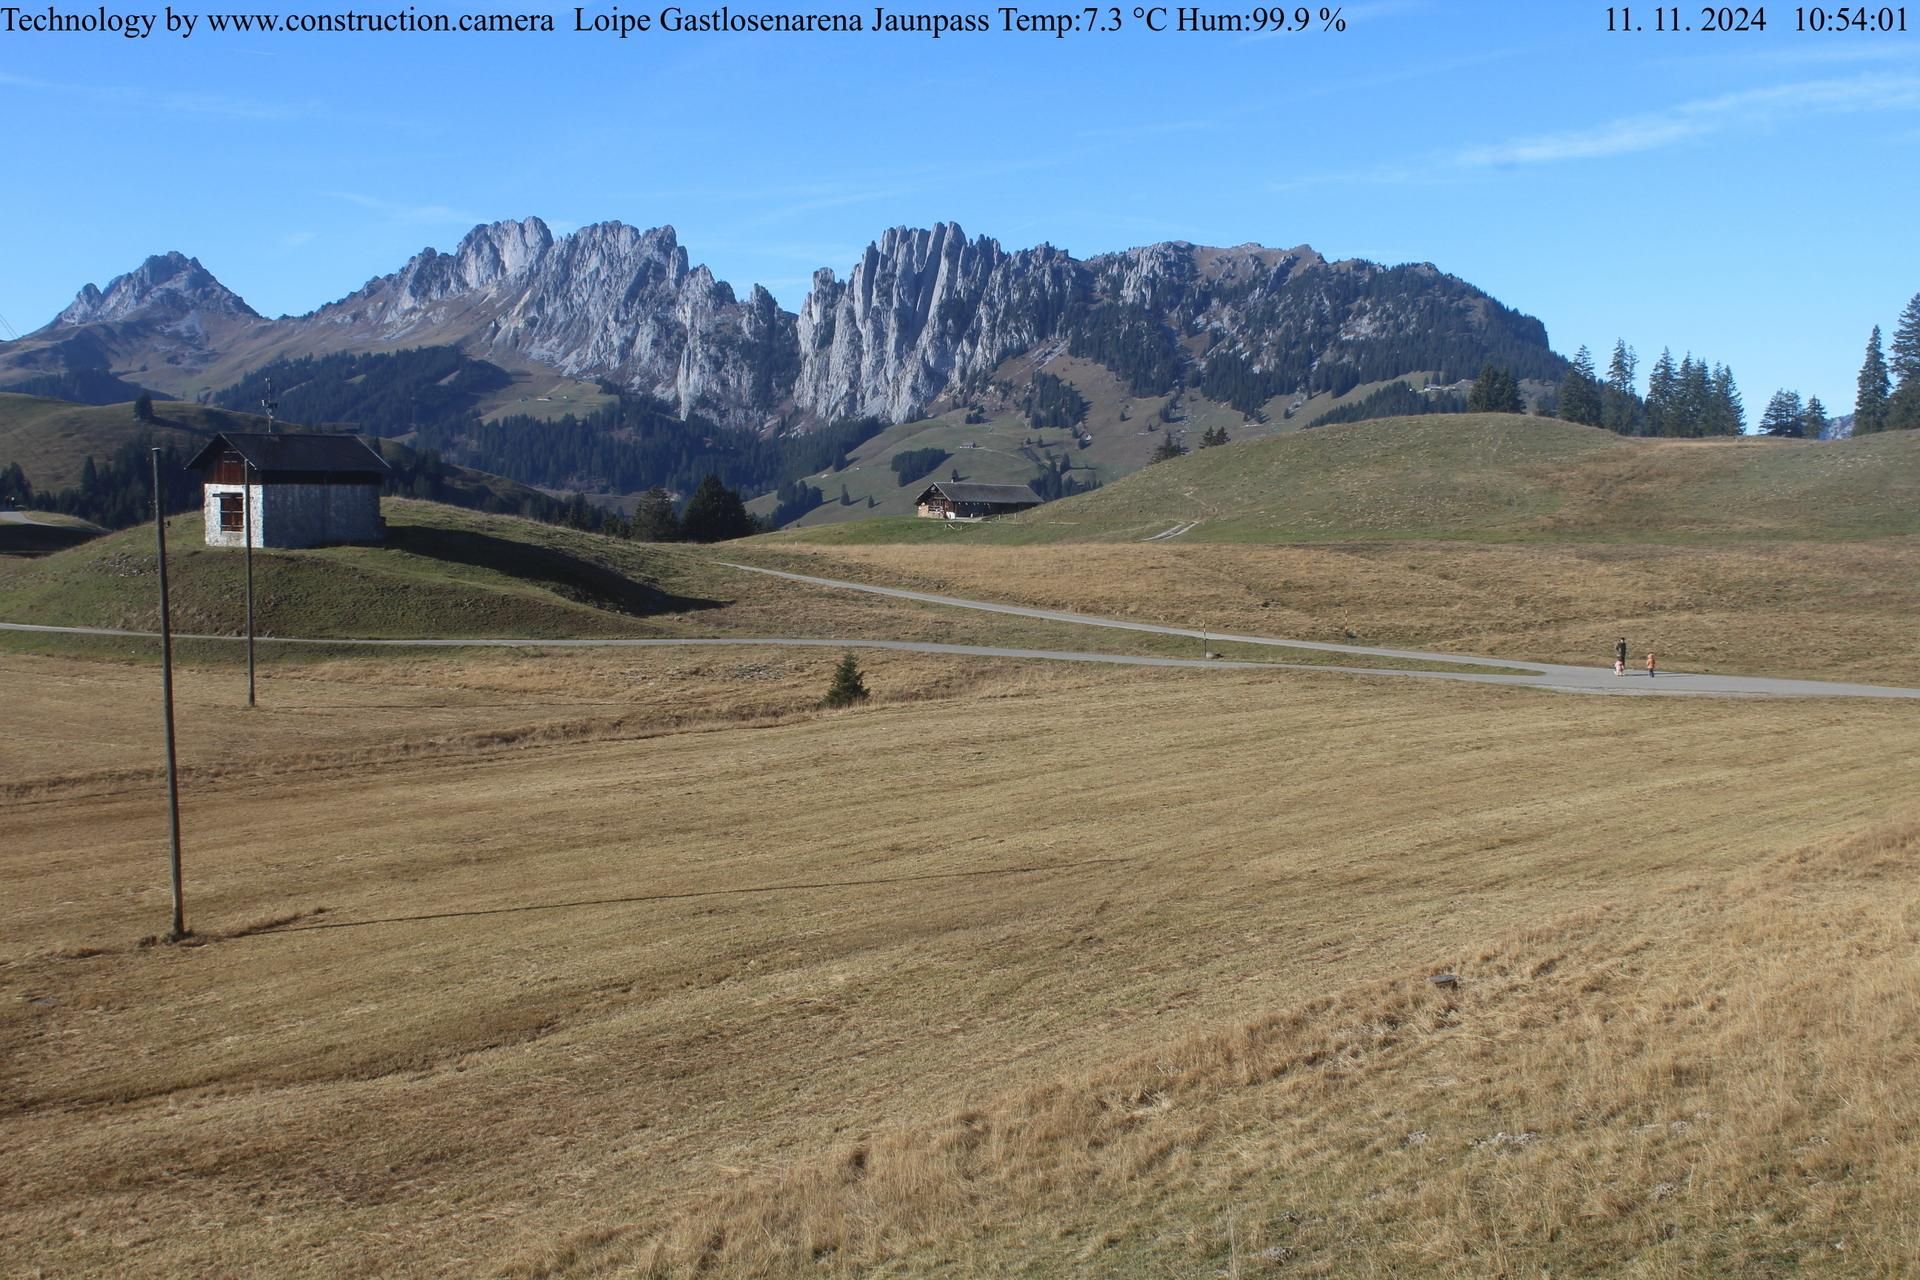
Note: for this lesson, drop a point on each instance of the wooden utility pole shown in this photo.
(179, 930)
(246, 498)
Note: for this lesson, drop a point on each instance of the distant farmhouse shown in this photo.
(954, 500)
(305, 490)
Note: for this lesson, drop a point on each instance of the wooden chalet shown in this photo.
(304, 490)
(962, 500)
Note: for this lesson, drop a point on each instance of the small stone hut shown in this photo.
(959, 500)
(305, 490)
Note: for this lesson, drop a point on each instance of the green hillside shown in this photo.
(1486, 477)
(51, 438)
(1120, 432)
(443, 572)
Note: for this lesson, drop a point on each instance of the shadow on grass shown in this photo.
(273, 928)
(568, 576)
(31, 539)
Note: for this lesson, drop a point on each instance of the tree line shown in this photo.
(433, 395)
(112, 494)
(1054, 402)
(1691, 398)
(1400, 400)
(1888, 392)
(911, 464)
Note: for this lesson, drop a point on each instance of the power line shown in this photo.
(7, 331)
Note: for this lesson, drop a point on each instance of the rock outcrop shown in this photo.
(608, 301)
(924, 314)
(170, 288)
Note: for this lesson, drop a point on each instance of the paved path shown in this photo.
(1543, 675)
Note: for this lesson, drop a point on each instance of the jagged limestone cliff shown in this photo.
(924, 314)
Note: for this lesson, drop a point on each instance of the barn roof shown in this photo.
(966, 491)
(295, 453)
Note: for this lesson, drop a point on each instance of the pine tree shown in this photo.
(1579, 392)
(1169, 449)
(715, 513)
(1694, 398)
(1619, 404)
(1817, 423)
(653, 517)
(1663, 386)
(143, 408)
(1903, 409)
(1482, 388)
(1729, 414)
(1785, 416)
(848, 687)
(1875, 389)
(1506, 394)
(15, 491)
(1495, 391)
(1622, 367)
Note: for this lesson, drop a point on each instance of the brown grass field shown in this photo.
(637, 963)
(1832, 610)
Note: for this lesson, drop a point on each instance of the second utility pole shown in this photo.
(246, 475)
(166, 698)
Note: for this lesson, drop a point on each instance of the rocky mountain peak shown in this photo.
(169, 287)
(926, 315)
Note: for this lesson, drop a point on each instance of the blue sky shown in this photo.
(1749, 197)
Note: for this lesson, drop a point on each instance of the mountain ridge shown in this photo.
(927, 315)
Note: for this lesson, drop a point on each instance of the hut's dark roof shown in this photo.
(295, 453)
(966, 491)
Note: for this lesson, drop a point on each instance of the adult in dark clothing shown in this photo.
(1620, 657)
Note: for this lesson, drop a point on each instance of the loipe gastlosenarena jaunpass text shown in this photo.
(675, 20)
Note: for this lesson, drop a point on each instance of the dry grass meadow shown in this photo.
(545, 964)
(1827, 610)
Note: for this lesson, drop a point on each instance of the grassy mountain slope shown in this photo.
(1487, 477)
(443, 572)
(1122, 431)
(446, 572)
(1499, 477)
(51, 438)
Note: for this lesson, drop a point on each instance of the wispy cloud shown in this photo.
(400, 211)
(148, 100)
(1687, 121)
(1386, 175)
(298, 239)
(1817, 54)
(1750, 109)
(819, 199)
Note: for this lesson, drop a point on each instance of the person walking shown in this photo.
(1650, 664)
(1620, 657)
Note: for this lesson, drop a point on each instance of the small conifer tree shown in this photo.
(849, 686)
(1876, 389)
